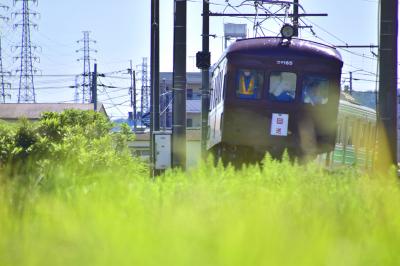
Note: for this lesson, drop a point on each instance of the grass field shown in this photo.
(278, 214)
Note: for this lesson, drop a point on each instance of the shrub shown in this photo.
(83, 138)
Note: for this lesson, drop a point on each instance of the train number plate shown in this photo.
(279, 124)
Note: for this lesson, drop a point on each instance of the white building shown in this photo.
(193, 117)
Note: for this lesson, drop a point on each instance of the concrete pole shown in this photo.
(205, 80)
(387, 109)
(179, 86)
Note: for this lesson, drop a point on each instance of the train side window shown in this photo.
(224, 88)
(282, 86)
(350, 132)
(211, 99)
(362, 135)
(315, 90)
(339, 132)
(249, 84)
(219, 86)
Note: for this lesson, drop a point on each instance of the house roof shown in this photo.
(34, 110)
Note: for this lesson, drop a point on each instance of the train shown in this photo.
(273, 94)
(356, 136)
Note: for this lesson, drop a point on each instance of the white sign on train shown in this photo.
(279, 124)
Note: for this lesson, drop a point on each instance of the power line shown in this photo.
(343, 47)
(111, 100)
(116, 97)
(46, 88)
(234, 8)
(118, 104)
(115, 77)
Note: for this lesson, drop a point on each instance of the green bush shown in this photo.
(31, 150)
(7, 141)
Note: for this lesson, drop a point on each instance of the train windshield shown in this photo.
(315, 89)
(282, 86)
(249, 84)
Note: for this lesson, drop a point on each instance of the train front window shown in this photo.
(282, 86)
(249, 84)
(315, 90)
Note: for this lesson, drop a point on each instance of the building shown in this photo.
(141, 144)
(32, 111)
(193, 99)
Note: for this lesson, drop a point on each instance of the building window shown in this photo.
(189, 122)
(282, 86)
(189, 94)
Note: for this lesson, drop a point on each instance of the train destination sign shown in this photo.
(279, 124)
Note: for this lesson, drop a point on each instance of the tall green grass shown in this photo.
(278, 214)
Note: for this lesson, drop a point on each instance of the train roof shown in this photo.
(278, 45)
(347, 108)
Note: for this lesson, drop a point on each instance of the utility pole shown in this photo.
(155, 78)
(296, 17)
(387, 109)
(132, 92)
(86, 84)
(179, 86)
(351, 83)
(94, 88)
(26, 90)
(76, 96)
(155, 64)
(203, 59)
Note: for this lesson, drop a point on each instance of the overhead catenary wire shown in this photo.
(111, 100)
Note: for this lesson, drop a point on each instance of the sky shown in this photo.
(121, 29)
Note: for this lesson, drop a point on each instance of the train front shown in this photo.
(280, 95)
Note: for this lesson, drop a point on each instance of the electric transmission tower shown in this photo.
(144, 94)
(83, 90)
(26, 91)
(4, 86)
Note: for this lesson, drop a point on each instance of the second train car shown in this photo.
(272, 94)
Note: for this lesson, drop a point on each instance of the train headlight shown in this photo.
(287, 31)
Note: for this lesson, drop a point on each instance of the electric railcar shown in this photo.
(356, 137)
(272, 94)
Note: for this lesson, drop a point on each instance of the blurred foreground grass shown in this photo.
(275, 215)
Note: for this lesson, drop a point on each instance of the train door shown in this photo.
(281, 94)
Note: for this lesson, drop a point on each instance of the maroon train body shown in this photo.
(271, 95)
